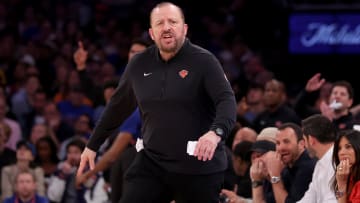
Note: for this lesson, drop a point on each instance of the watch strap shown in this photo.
(275, 179)
(256, 183)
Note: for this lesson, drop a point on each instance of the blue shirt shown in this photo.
(38, 199)
(132, 124)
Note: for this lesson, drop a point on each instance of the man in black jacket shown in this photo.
(183, 96)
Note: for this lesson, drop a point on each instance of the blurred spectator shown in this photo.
(35, 116)
(25, 189)
(346, 184)
(341, 94)
(54, 120)
(59, 88)
(28, 26)
(82, 129)
(25, 154)
(255, 70)
(290, 168)
(62, 185)
(15, 132)
(108, 90)
(268, 134)
(241, 135)
(72, 107)
(276, 111)
(46, 157)
(260, 179)
(42, 130)
(7, 156)
(92, 90)
(22, 100)
(319, 135)
(241, 158)
(38, 103)
(251, 105)
(18, 79)
(234, 59)
(244, 134)
(73, 82)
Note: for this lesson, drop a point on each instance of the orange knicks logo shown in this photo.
(183, 73)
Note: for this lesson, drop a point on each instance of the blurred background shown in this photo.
(41, 32)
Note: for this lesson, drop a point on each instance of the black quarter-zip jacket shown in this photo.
(180, 100)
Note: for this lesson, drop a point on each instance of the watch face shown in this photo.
(219, 131)
(274, 179)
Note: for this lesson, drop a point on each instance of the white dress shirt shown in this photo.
(320, 187)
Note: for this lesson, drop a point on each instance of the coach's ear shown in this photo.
(151, 33)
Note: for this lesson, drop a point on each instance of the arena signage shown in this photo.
(324, 33)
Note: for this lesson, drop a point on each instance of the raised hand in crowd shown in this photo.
(80, 57)
(314, 83)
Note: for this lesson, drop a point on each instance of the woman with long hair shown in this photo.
(346, 159)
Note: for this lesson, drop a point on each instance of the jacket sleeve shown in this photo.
(222, 95)
(119, 108)
(303, 104)
(300, 184)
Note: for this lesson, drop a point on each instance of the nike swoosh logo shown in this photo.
(147, 74)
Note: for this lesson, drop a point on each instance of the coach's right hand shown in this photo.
(88, 155)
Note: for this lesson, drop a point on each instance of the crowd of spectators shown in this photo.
(49, 105)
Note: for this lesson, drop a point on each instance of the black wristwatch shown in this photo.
(256, 183)
(219, 132)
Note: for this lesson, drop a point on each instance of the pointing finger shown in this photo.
(80, 44)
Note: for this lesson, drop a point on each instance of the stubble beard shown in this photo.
(172, 48)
